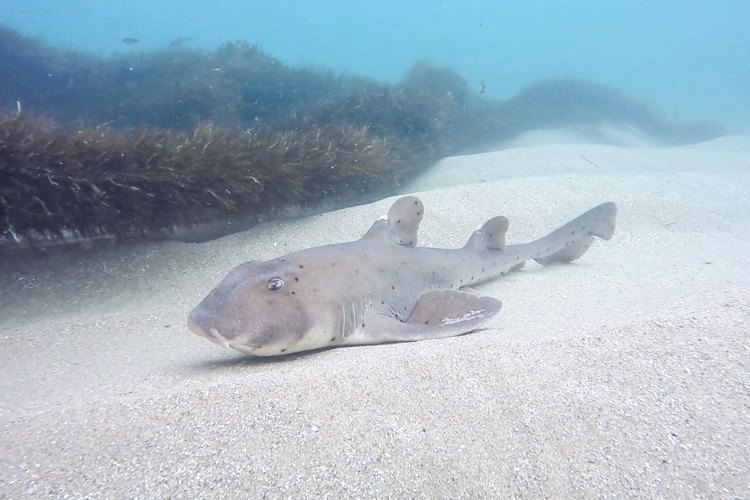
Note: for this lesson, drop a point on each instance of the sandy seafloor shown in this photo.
(624, 374)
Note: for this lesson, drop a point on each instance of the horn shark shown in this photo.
(380, 288)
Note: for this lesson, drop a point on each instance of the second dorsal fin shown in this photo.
(490, 235)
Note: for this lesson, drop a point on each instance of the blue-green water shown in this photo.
(688, 58)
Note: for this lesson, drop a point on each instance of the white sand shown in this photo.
(625, 373)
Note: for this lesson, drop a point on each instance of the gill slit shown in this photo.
(362, 309)
(343, 322)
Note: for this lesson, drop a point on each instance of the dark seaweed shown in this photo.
(146, 181)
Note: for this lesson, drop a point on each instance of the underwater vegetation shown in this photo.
(141, 182)
(135, 145)
(175, 88)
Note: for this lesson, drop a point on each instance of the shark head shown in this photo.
(254, 309)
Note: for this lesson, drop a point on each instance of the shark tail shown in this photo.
(572, 240)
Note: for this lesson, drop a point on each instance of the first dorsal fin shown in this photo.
(401, 224)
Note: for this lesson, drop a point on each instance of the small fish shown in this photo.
(380, 288)
(130, 40)
(482, 87)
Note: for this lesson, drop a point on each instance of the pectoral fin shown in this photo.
(438, 314)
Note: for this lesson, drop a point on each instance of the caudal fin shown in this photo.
(573, 239)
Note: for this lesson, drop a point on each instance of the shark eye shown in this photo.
(275, 284)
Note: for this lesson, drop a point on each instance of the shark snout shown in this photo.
(197, 324)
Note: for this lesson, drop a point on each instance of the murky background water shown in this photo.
(686, 57)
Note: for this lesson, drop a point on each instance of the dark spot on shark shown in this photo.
(296, 278)
(301, 266)
(393, 287)
(283, 350)
(333, 339)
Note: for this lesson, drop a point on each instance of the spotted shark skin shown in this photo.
(380, 288)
